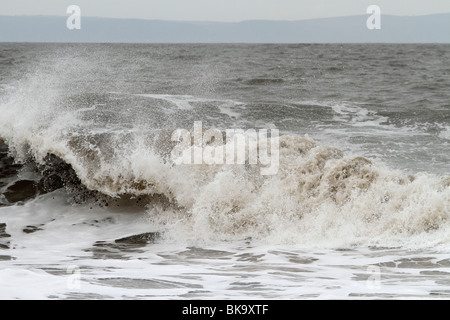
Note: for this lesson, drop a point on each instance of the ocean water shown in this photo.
(93, 206)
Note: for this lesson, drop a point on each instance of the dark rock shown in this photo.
(6, 160)
(50, 183)
(3, 147)
(7, 166)
(56, 174)
(21, 191)
(8, 172)
(3, 233)
(31, 229)
(6, 258)
(140, 239)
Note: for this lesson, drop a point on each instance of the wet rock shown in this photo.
(56, 174)
(50, 183)
(31, 229)
(9, 171)
(7, 166)
(21, 191)
(3, 233)
(140, 239)
(6, 258)
(3, 147)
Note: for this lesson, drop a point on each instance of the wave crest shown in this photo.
(320, 194)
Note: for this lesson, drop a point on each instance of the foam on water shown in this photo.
(320, 196)
(73, 255)
(223, 231)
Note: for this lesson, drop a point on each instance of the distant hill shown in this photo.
(394, 29)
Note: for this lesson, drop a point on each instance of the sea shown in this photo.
(94, 204)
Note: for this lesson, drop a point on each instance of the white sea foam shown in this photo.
(320, 195)
(79, 239)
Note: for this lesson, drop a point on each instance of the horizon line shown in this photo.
(229, 22)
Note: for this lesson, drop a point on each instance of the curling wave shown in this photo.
(319, 192)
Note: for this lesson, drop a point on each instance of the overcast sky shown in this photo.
(222, 10)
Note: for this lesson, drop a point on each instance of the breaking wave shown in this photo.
(320, 195)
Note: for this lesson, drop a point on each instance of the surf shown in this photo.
(108, 148)
(319, 195)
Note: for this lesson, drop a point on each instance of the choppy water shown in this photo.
(92, 205)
